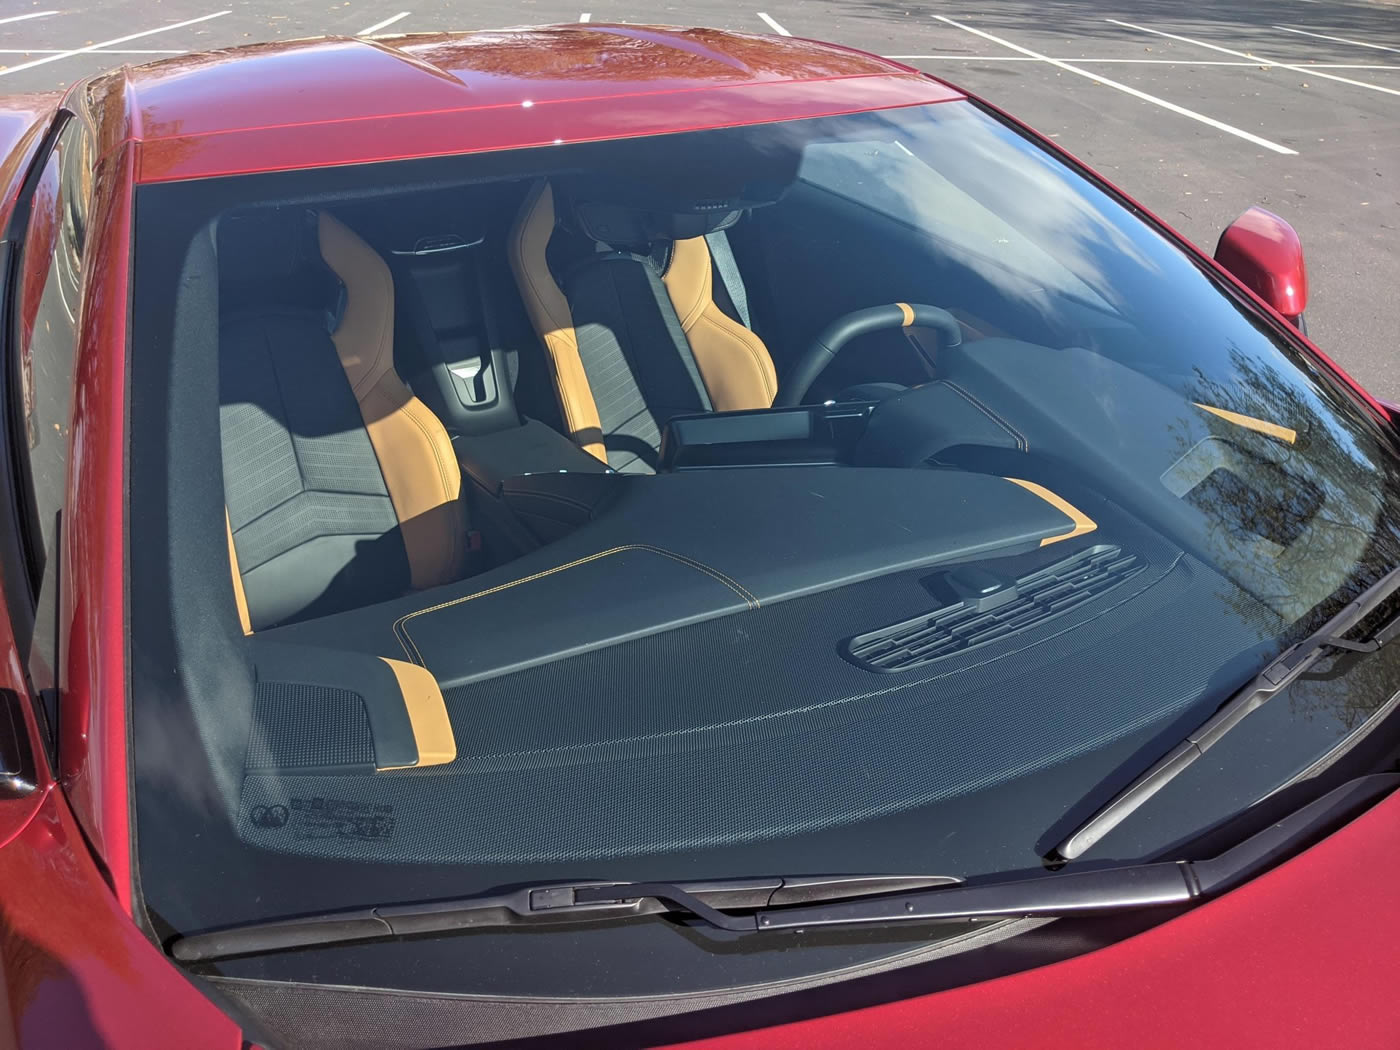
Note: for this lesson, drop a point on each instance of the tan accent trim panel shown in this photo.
(908, 313)
(239, 596)
(1273, 430)
(1082, 522)
(415, 454)
(427, 712)
(549, 313)
(411, 650)
(733, 362)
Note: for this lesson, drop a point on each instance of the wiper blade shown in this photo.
(785, 904)
(1100, 890)
(1260, 689)
(581, 902)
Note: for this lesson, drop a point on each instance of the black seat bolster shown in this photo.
(638, 362)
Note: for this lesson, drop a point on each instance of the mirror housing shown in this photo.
(1264, 252)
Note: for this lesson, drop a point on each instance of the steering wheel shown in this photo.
(835, 336)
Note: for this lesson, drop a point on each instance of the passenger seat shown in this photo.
(634, 333)
(341, 487)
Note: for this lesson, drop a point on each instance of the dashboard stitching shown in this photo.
(410, 647)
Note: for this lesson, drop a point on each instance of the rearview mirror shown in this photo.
(1264, 252)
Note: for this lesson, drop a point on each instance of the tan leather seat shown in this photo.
(732, 362)
(342, 488)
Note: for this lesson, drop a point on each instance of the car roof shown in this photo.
(345, 100)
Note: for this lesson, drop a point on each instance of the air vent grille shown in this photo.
(1034, 599)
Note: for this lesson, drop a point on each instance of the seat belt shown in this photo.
(723, 257)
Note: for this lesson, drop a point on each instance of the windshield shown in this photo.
(862, 494)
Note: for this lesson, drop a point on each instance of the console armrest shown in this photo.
(531, 448)
(815, 435)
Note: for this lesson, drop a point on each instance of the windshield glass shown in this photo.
(862, 494)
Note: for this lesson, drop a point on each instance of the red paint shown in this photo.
(439, 133)
(15, 813)
(93, 723)
(1265, 253)
(23, 119)
(1279, 962)
(40, 233)
(76, 971)
(71, 954)
(329, 80)
(273, 107)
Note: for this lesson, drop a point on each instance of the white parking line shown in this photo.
(97, 51)
(1338, 39)
(1260, 59)
(1132, 61)
(384, 24)
(31, 14)
(108, 43)
(587, 16)
(773, 25)
(1172, 106)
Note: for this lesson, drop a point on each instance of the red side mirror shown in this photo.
(1264, 252)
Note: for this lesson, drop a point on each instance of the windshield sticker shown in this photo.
(327, 818)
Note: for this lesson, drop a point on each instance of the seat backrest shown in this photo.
(341, 487)
(614, 398)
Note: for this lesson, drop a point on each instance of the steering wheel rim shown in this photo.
(833, 338)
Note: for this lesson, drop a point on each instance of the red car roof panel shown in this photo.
(318, 103)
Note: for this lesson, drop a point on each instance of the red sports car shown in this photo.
(723, 537)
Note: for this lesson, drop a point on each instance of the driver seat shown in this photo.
(634, 333)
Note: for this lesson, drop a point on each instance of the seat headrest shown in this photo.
(270, 257)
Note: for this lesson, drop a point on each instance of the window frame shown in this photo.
(21, 541)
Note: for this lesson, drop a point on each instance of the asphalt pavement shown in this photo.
(1198, 109)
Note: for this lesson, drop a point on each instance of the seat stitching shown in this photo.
(411, 410)
(525, 265)
(559, 333)
(410, 647)
(697, 308)
(1021, 442)
(385, 339)
(748, 345)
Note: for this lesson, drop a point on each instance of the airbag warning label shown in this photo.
(327, 818)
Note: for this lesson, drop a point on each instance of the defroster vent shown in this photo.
(988, 613)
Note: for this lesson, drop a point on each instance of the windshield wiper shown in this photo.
(1260, 689)
(786, 903)
(579, 902)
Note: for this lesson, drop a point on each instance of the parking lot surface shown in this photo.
(1197, 110)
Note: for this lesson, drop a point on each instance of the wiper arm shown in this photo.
(581, 902)
(1120, 888)
(1262, 688)
(784, 904)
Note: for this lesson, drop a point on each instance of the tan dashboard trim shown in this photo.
(427, 712)
(1261, 426)
(1082, 522)
(239, 595)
